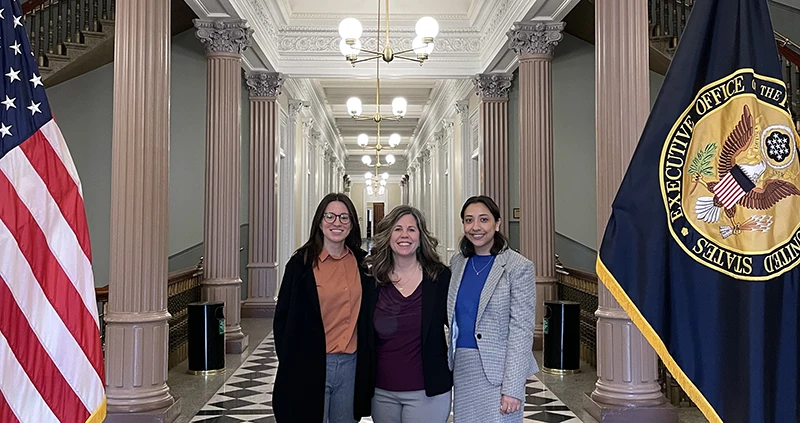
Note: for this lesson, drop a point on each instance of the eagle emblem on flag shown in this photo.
(730, 174)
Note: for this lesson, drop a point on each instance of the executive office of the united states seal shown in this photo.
(730, 178)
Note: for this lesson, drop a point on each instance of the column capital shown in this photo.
(462, 108)
(264, 84)
(223, 36)
(295, 106)
(535, 38)
(447, 128)
(493, 85)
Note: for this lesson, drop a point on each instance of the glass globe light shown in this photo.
(399, 106)
(351, 29)
(366, 160)
(382, 182)
(354, 106)
(363, 140)
(394, 140)
(368, 175)
(427, 28)
(421, 48)
(350, 51)
(385, 175)
(390, 159)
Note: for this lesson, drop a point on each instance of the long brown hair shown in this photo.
(500, 240)
(313, 247)
(380, 262)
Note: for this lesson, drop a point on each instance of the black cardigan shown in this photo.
(436, 373)
(299, 392)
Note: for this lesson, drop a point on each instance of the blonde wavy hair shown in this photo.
(380, 262)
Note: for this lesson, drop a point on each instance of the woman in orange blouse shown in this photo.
(317, 331)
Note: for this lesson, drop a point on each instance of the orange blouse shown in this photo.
(339, 290)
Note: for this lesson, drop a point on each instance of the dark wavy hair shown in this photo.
(313, 247)
(500, 241)
(380, 262)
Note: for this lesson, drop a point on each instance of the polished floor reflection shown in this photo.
(247, 395)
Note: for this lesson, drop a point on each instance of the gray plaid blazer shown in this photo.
(505, 320)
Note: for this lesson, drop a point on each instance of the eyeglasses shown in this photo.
(330, 217)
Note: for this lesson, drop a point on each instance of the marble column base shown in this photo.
(228, 291)
(236, 343)
(163, 415)
(258, 308)
(604, 413)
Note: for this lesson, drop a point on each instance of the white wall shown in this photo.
(83, 108)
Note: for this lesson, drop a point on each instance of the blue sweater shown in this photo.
(469, 294)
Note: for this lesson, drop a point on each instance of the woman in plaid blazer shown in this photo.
(491, 310)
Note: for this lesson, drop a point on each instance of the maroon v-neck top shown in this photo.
(398, 329)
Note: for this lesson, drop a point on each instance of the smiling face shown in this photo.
(480, 227)
(405, 236)
(334, 230)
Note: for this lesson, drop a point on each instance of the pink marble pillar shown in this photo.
(534, 44)
(137, 334)
(627, 387)
(224, 41)
(262, 266)
(493, 90)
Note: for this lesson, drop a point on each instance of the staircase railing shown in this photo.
(668, 19)
(54, 24)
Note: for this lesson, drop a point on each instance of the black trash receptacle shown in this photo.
(562, 337)
(206, 338)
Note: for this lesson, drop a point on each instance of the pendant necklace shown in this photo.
(478, 272)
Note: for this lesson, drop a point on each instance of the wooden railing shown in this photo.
(56, 25)
(183, 287)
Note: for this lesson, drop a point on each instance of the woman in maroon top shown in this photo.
(407, 360)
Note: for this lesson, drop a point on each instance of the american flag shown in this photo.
(51, 360)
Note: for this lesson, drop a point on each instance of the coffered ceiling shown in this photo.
(300, 39)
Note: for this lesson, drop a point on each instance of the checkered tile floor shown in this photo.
(247, 395)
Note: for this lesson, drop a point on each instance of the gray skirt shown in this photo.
(475, 399)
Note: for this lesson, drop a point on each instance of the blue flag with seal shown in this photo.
(703, 243)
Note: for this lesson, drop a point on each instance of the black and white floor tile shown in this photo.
(246, 397)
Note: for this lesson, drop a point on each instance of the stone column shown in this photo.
(462, 110)
(262, 265)
(534, 43)
(627, 388)
(493, 90)
(403, 190)
(224, 43)
(137, 332)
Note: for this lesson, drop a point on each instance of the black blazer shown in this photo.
(436, 372)
(299, 391)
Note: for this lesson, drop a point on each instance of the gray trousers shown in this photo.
(409, 407)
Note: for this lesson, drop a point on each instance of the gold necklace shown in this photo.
(400, 286)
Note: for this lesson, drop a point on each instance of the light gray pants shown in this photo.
(409, 407)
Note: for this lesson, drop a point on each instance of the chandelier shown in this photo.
(351, 30)
(376, 184)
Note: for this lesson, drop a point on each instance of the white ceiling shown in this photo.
(296, 8)
(300, 39)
